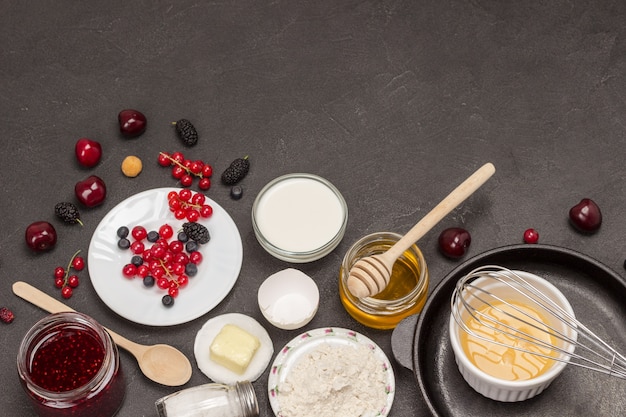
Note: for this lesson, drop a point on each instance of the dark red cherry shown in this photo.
(454, 242)
(40, 236)
(586, 216)
(91, 191)
(88, 152)
(132, 122)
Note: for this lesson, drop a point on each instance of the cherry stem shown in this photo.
(199, 175)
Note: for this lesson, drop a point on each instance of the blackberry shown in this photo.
(196, 232)
(68, 212)
(236, 171)
(186, 132)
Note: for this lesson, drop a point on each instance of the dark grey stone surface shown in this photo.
(395, 102)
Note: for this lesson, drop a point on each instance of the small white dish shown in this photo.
(497, 388)
(304, 344)
(288, 299)
(130, 299)
(220, 374)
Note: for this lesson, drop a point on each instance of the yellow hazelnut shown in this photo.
(131, 166)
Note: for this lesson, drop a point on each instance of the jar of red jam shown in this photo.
(69, 366)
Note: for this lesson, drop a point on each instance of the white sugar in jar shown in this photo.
(299, 217)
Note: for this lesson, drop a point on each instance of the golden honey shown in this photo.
(505, 362)
(404, 295)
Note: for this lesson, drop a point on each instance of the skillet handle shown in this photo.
(402, 339)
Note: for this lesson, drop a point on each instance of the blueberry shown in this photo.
(123, 232)
(191, 269)
(182, 236)
(148, 281)
(236, 192)
(167, 300)
(136, 260)
(191, 246)
(153, 236)
(123, 243)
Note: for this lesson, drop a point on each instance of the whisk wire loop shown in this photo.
(566, 339)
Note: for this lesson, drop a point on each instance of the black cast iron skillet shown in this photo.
(598, 297)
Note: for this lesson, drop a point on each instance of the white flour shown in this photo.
(335, 381)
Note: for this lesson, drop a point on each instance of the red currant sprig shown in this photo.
(188, 205)
(185, 170)
(63, 279)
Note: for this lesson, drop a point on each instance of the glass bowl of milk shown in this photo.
(299, 217)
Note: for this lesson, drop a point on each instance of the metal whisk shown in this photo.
(502, 290)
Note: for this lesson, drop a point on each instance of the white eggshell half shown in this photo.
(289, 299)
(219, 373)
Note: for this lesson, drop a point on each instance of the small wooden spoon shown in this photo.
(161, 363)
(370, 275)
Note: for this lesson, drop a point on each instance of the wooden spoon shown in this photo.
(161, 363)
(370, 275)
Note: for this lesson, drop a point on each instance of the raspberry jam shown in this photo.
(69, 366)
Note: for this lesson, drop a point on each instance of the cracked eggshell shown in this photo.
(289, 299)
(219, 373)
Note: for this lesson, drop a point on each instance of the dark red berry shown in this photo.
(531, 236)
(132, 122)
(6, 315)
(40, 236)
(78, 263)
(454, 242)
(586, 216)
(66, 292)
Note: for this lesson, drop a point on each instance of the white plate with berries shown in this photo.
(147, 272)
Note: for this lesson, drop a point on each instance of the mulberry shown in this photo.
(196, 232)
(68, 212)
(237, 170)
(186, 132)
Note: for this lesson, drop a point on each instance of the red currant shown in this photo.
(180, 214)
(204, 184)
(164, 159)
(166, 231)
(206, 211)
(185, 195)
(186, 180)
(183, 280)
(531, 236)
(207, 171)
(73, 281)
(198, 199)
(193, 215)
(176, 246)
(178, 172)
(195, 257)
(178, 157)
(137, 247)
(173, 292)
(59, 282)
(163, 283)
(59, 272)
(78, 263)
(139, 232)
(129, 270)
(66, 292)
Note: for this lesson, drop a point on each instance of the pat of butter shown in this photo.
(233, 348)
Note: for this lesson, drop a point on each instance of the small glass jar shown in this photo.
(215, 400)
(299, 217)
(404, 295)
(69, 366)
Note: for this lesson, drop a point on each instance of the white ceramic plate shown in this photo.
(307, 342)
(217, 273)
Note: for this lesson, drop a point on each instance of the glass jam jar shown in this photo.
(404, 295)
(69, 366)
(215, 400)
